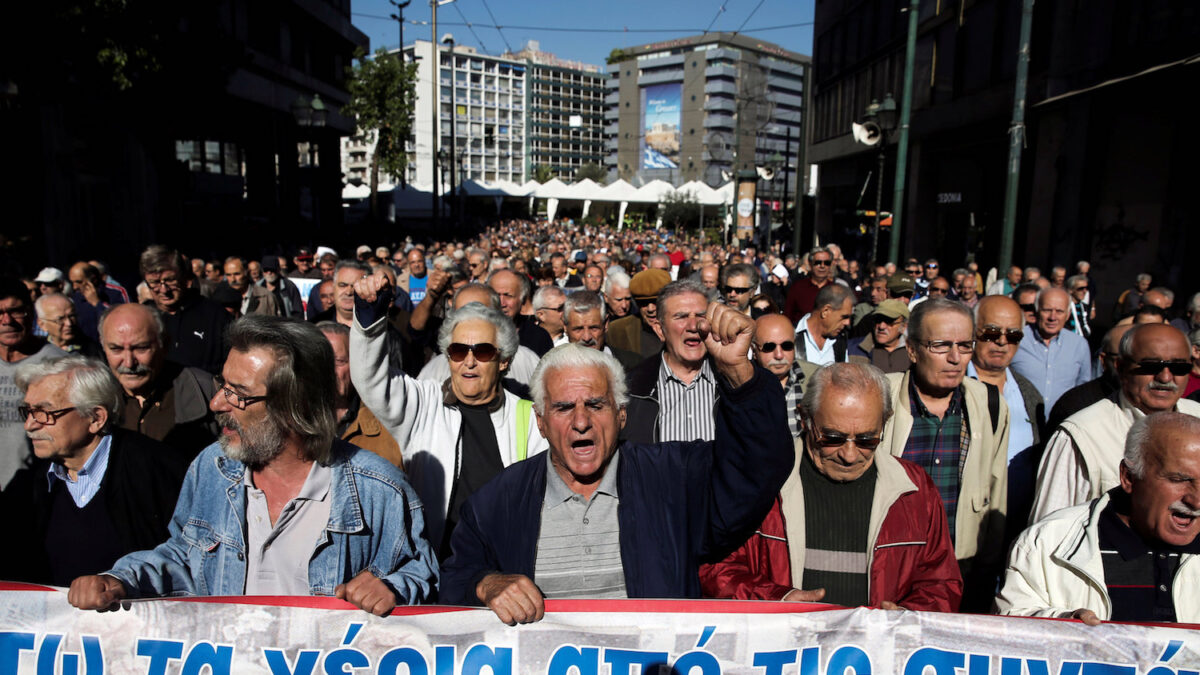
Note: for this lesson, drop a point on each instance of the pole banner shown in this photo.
(41, 634)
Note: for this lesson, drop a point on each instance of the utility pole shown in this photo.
(798, 243)
(787, 155)
(435, 72)
(910, 54)
(1016, 141)
(454, 216)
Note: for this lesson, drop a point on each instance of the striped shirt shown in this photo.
(940, 446)
(685, 411)
(88, 478)
(579, 544)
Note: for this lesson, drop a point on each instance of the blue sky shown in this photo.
(608, 23)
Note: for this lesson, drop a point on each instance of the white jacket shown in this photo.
(1055, 568)
(428, 431)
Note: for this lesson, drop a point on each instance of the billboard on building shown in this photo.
(660, 125)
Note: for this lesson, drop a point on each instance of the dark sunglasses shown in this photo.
(483, 351)
(1029, 308)
(837, 440)
(822, 262)
(735, 289)
(931, 267)
(789, 346)
(1154, 367)
(994, 334)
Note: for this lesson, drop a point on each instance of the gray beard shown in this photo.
(259, 444)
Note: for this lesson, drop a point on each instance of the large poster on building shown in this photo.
(41, 633)
(660, 125)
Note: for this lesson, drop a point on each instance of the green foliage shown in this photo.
(617, 55)
(543, 173)
(591, 170)
(679, 210)
(383, 100)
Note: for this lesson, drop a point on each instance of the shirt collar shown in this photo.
(1127, 542)
(95, 464)
(557, 491)
(665, 372)
(316, 485)
(918, 406)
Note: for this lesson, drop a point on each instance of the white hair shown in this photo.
(506, 332)
(616, 277)
(90, 385)
(572, 355)
(1138, 438)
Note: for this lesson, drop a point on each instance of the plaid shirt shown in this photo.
(940, 446)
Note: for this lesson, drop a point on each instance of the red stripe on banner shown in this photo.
(563, 606)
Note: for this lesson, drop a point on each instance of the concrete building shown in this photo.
(484, 98)
(566, 112)
(704, 107)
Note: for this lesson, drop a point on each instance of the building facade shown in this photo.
(566, 113)
(703, 108)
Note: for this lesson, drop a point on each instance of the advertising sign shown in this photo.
(660, 125)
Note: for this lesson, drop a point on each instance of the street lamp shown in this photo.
(883, 117)
(448, 39)
(774, 162)
(310, 115)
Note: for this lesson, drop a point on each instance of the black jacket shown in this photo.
(681, 503)
(641, 413)
(197, 333)
(141, 484)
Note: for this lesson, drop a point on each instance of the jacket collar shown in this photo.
(345, 513)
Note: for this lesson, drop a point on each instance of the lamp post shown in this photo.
(399, 19)
(448, 39)
(434, 122)
(883, 115)
(774, 162)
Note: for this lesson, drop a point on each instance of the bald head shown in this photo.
(1157, 298)
(474, 292)
(771, 332)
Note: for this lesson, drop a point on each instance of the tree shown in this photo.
(591, 170)
(543, 173)
(679, 209)
(383, 101)
(617, 55)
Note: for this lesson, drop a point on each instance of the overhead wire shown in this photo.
(499, 29)
(720, 10)
(471, 28)
(575, 29)
(739, 30)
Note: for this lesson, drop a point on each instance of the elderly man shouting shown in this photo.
(595, 518)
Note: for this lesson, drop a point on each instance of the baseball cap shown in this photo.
(900, 283)
(48, 275)
(303, 253)
(892, 309)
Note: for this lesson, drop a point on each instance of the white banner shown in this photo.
(40, 633)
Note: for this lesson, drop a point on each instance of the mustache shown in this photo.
(227, 421)
(38, 436)
(136, 369)
(778, 362)
(1178, 508)
(589, 342)
(1155, 385)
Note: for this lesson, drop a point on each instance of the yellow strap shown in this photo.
(523, 408)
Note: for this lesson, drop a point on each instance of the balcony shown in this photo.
(720, 87)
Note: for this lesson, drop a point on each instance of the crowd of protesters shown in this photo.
(557, 411)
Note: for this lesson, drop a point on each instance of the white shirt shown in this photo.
(821, 356)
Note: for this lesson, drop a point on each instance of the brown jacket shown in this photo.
(367, 433)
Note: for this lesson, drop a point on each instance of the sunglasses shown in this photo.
(836, 439)
(822, 263)
(483, 351)
(994, 334)
(1029, 308)
(789, 346)
(931, 267)
(735, 289)
(1154, 367)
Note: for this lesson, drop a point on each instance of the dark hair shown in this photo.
(300, 386)
(916, 321)
(12, 288)
(158, 258)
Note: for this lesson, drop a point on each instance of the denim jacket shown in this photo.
(375, 523)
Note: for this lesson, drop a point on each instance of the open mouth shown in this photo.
(1182, 521)
(583, 447)
(693, 342)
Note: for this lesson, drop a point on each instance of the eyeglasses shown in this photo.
(1154, 367)
(940, 291)
(484, 351)
(835, 439)
(943, 346)
(42, 416)
(555, 309)
(735, 289)
(232, 397)
(1029, 308)
(993, 334)
(165, 283)
(931, 267)
(16, 312)
(822, 262)
(1079, 288)
(789, 346)
(63, 319)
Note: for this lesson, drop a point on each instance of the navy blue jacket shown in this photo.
(680, 503)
